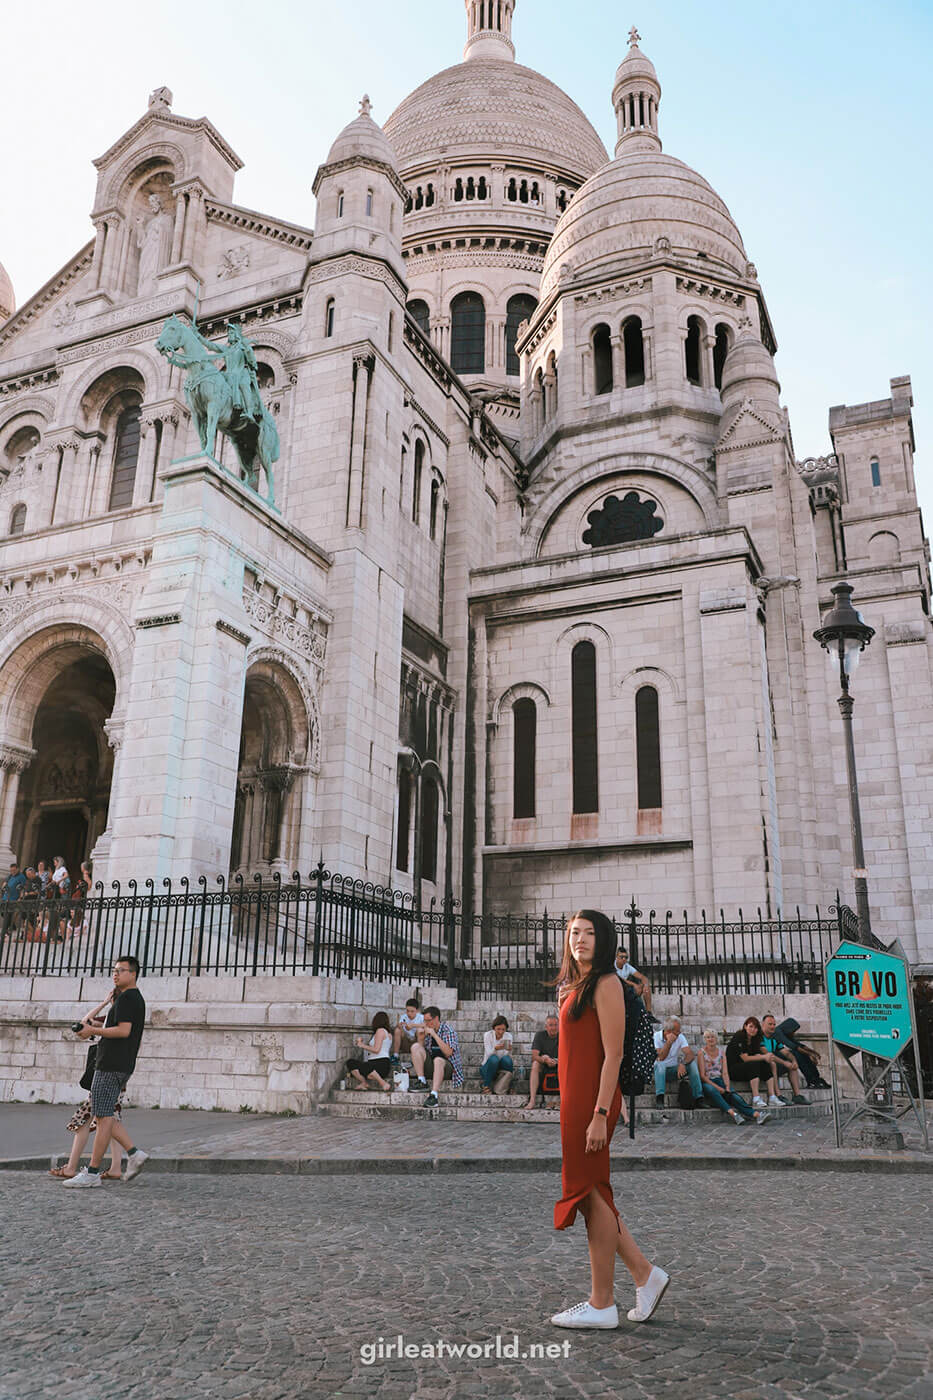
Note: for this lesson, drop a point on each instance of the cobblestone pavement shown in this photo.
(22, 1130)
(267, 1288)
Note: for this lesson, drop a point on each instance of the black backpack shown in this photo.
(638, 1053)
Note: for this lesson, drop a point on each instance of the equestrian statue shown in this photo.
(226, 399)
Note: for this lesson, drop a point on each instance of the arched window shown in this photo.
(369, 204)
(524, 741)
(519, 309)
(416, 485)
(633, 347)
(435, 503)
(429, 814)
(125, 457)
(720, 351)
(875, 472)
(330, 315)
(265, 375)
(551, 383)
(468, 333)
(340, 203)
(583, 726)
(420, 313)
(538, 400)
(562, 200)
(648, 747)
(511, 190)
(693, 351)
(602, 360)
(18, 520)
(402, 838)
(458, 190)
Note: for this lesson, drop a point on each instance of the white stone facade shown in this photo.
(194, 681)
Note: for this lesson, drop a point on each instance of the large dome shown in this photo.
(630, 207)
(490, 108)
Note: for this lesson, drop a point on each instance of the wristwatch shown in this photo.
(604, 1112)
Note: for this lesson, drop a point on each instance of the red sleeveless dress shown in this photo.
(580, 1063)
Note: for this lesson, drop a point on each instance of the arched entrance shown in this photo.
(275, 747)
(65, 791)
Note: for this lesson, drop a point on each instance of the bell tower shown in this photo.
(636, 97)
(489, 30)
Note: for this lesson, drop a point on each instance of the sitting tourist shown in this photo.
(747, 1060)
(636, 980)
(675, 1059)
(543, 1061)
(807, 1058)
(439, 1053)
(497, 1053)
(409, 1029)
(714, 1076)
(784, 1059)
(376, 1062)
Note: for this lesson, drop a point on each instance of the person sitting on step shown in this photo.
(749, 1061)
(543, 1060)
(440, 1054)
(785, 1061)
(808, 1059)
(637, 981)
(675, 1060)
(375, 1064)
(714, 1076)
(497, 1053)
(409, 1029)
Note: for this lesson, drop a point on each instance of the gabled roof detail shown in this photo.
(158, 117)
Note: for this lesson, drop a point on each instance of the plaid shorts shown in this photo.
(106, 1088)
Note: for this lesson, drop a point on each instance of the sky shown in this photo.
(811, 118)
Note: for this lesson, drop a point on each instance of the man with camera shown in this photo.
(120, 1037)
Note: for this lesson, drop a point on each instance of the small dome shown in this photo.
(363, 139)
(633, 202)
(493, 110)
(635, 65)
(7, 299)
(748, 361)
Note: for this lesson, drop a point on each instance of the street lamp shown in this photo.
(844, 636)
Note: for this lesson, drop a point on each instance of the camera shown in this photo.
(78, 1026)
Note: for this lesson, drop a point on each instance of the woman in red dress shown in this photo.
(592, 1036)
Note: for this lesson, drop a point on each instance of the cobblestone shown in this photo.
(784, 1288)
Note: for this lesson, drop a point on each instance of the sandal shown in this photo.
(111, 1176)
(60, 1174)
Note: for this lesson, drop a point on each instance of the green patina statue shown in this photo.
(225, 399)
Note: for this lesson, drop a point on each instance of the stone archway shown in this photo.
(56, 763)
(275, 744)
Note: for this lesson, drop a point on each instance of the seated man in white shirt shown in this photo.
(410, 1029)
(636, 980)
(675, 1060)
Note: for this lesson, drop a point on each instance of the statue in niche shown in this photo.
(623, 522)
(225, 400)
(154, 241)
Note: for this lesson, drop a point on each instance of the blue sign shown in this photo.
(869, 1000)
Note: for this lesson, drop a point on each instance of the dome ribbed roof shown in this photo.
(362, 138)
(491, 108)
(637, 199)
(7, 299)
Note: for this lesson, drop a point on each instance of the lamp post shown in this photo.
(844, 636)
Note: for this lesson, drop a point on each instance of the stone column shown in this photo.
(178, 231)
(99, 245)
(64, 507)
(145, 464)
(618, 362)
(192, 221)
(363, 370)
(113, 728)
(14, 760)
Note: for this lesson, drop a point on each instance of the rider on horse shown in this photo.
(240, 367)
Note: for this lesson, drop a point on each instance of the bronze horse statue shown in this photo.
(224, 399)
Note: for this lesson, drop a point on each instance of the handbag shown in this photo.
(87, 1077)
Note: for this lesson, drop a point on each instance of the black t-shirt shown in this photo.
(545, 1044)
(120, 1055)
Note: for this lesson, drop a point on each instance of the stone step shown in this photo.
(384, 1106)
(469, 1097)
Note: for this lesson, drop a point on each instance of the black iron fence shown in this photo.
(334, 926)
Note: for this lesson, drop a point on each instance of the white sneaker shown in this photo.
(758, 1102)
(649, 1296)
(736, 1116)
(135, 1164)
(774, 1101)
(762, 1116)
(585, 1315)
(84, 1178)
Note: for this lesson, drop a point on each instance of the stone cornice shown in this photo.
(354, 163)
(169, 119)
(31, 308)
(30, 380)
(354, 264)
(261, 225)
(710, 290)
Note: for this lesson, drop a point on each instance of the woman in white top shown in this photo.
(714, 1076)
(497, 1053)
(375, 1062)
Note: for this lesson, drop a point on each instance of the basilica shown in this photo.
(521, 608)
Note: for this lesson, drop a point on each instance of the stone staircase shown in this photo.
(470, 1105)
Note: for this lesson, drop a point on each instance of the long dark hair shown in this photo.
(381, 1022)
(571, 978)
